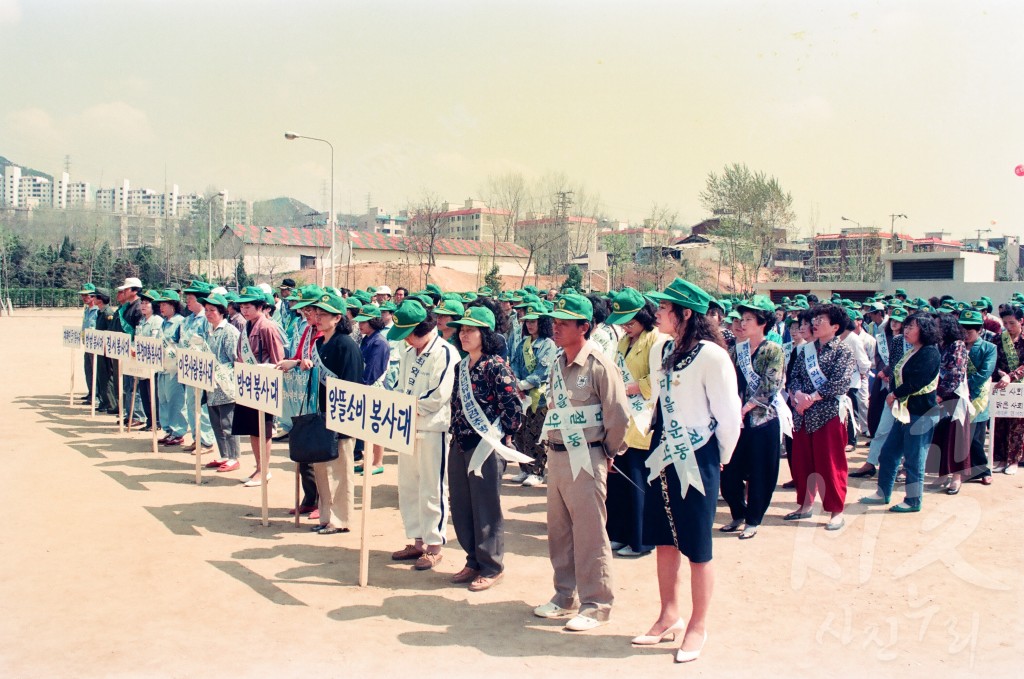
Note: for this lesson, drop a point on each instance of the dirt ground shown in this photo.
(115, 564)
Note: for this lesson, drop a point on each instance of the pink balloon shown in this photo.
(1019, 170)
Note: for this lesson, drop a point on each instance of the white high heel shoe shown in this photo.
(690, 656)
(653, 639)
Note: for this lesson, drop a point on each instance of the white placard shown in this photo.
(72, 337)
(195, 368)
(1008, 402)
(372, 414)
(149, 351)
(135, 368)
(259, 387)
(94, 342)
(118, 345)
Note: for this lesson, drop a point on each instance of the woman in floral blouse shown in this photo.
(749, 479)
(952, 433)
(474, 485)
(1009, 431)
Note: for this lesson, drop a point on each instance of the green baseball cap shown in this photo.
(215, 299)
(536, 310)
(757, 303)
(900, 291)
(388, 306)
(368, 312)
(477, 317)
(434, 288)
(408, 315)
(468, 297)
(971, 318)
(506, 296)
(531, 289)
(528, 298)
(251, 294)
(151, 295)
(307, 295)
(572, 308)
(170, 295)
(625, 304)
(485, 290)
(198, 287)
(363, 296)
(331, 303)
(733, 316)
(686, 294)
(449, 307)
(87, 289)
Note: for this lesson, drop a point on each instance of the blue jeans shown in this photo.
(881, 434)
(909, 442)
(172, 405)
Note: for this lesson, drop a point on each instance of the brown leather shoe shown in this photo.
(485, 582)
(464, 576)
(427, 561)
(408, 553)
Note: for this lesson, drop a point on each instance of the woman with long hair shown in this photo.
(531, 364)
(696, 426)
(170, 392)
(895, 348)
(627, 485)
(485, 402)
(915, 379)
(952, 433)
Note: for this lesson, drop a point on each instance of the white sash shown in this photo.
(813, 369)
(964, 407)
(882, 344)
(410, 386)
(640, 410)
(677, 442)
(489, 432)
(571, 421)
(247, 354)
(322, 370)
(746, 365)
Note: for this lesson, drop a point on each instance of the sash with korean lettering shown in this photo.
(641, 410)
(813, 369)
(899, 407)
(489, 432)
(322, 370)
(1012, 358)
(417, 367)
(980, 402)
(746, 365)
(882, 344)
(677, 443)
(247, 354)
(571, 420)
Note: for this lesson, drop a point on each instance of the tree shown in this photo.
(508, 195)
(493, 279)
(425, 228)
(573, 279)
(242, 279)
(754, 214)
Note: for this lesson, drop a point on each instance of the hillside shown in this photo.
(283, 212)
(25, 171)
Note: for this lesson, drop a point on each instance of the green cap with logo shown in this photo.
(625, 304)
(477, 317)
(388, 306)
(528, 298)
(685, 294)
(485, 290)
(408, 315)
(198, 287)
(170, 295)
(535, 310)
(367, 313)
(970, 318)
(216, 299)
(468, 297)
(87, 289)
(331, 303)
(572, 308)
(151, 295)
(757, 303)
(307, 295)
(449, 307)
(900, 291)
(251, 294)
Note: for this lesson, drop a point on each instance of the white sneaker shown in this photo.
(532, 480)
(583, 623)
(1010, 470)
(256, 481)
(628, 552)
(551, 610)
(520, 477)
(616, 546)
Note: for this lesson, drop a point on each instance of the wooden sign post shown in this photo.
(93, 343)
(259, 387)
(72, 338)
(195, 369)
(377, 416)
(119, 348)
(149, 352)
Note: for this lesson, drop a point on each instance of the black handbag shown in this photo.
(310, 440)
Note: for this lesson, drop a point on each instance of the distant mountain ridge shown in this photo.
(285, 211)
(25, 171)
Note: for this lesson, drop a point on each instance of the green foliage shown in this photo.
(242, 279)
(493, 280)
(574, 279)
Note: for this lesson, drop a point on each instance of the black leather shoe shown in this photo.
(864, 473)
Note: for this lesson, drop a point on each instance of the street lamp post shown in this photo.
(209, 236)
(291, 136)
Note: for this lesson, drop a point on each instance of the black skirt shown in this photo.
(685, 523)
(247, 423)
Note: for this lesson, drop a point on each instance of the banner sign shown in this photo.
(72, 337)
(195, 368)
(94, 342)
(372, 414)
(118, 345)
(133, 367)
(149, 351)
(259, 387)
(1008, 402)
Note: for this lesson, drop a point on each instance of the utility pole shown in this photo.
(981, 231)
(563, 201)
(892, 221)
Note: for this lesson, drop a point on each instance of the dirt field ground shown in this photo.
(115, 564)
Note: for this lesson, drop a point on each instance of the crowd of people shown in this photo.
(635, 412)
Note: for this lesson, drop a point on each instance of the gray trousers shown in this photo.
(221, 418)
(88, 376)
(476, 509)
(577, 541)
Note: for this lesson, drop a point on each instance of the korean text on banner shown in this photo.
(118, 345)
(372, 414)
(195, 368)
(1008, 402)
(72, 337)
(259, 387)
(93, 342)
(149, 351)
(133, 367)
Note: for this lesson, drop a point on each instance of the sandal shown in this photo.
(732, 527)
(748, 532)
(331, 530)
(797, 515)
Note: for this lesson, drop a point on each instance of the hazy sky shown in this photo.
(861, 109)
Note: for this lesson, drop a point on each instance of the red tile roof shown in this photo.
(364, 240)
